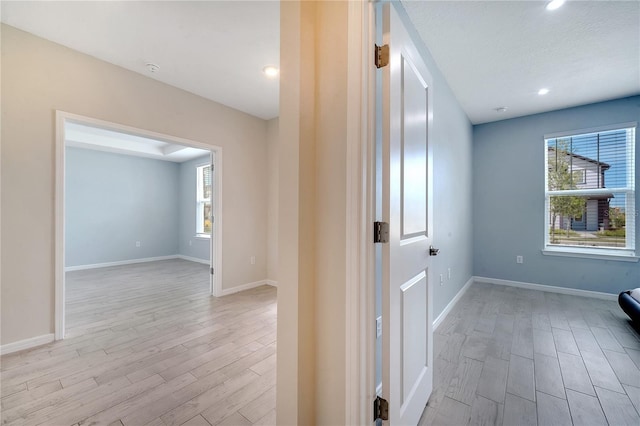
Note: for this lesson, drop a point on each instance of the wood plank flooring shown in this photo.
(146, 344)
(509, 356)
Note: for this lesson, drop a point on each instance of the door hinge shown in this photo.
(211, 270)
(380, 232)
(380, 409)
(382, 56)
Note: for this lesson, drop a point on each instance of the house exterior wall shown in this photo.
(588, 175)
(593, 179)
(592, 215)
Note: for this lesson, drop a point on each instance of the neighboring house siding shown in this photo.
(592, 215)
(592, 180)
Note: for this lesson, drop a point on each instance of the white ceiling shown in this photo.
(98, 139)
(215, 49)
(493, 53)
(500, 53)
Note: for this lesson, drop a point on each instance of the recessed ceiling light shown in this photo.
(554, 4)
(152, 67)
(543, 92)
(270, 71)
(500, 110)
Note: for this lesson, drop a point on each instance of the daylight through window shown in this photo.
(204, 219)
(590, 191)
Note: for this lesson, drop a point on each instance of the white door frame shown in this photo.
(59, 239)
(360, 278)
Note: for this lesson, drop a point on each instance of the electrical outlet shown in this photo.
(137, 243)
(253, 260)
(190, 242)
(378, 327)
(441, 279)
(448, 273)
(519, 259)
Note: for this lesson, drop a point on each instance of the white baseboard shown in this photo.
(243, 287)
(549, 288)
(21, 345)
(193, 259)
(271, 283)
(120, 262)
(452, 303)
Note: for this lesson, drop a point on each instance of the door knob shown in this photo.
(433, 251)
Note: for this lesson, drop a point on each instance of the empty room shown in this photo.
(152, 281)
(151, 203)
(429, 205)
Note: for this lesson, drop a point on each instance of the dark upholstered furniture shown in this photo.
(630, 305)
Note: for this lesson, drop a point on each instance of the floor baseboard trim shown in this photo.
(243, 287)
(548, 288)
(452, 303)
(271, 283)
(193, 259)
(21, 345)
(119, 263)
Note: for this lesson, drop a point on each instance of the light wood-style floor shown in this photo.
(516, 357)
(146, 344)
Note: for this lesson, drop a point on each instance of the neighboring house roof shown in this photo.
(603, 165)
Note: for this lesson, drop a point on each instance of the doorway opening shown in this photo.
(127, 196)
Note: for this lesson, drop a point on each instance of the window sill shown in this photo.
(603, 254)
(203, 236)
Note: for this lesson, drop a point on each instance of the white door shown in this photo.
(407, 355)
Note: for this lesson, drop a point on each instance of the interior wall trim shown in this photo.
(121, 262)
(193, 259)
(452, 303)
(243, 287)
(29, 343)
(549, 288)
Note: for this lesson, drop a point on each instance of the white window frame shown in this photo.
(201, 201)
(628, 253)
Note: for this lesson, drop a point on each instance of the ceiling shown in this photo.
(98, 139)
(500, 53)
(493, 53)
(215, 49)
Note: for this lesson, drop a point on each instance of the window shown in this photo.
(580, 177)
(590, 192)
(203, 200)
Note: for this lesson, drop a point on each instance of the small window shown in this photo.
(204, 218)
(590, 192)
(579, 177)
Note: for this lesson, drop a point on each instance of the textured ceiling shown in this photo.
(215, 49)
(496, 54)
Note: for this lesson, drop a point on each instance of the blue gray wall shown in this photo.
(508, 200)
(199, 247)
(114, 200)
